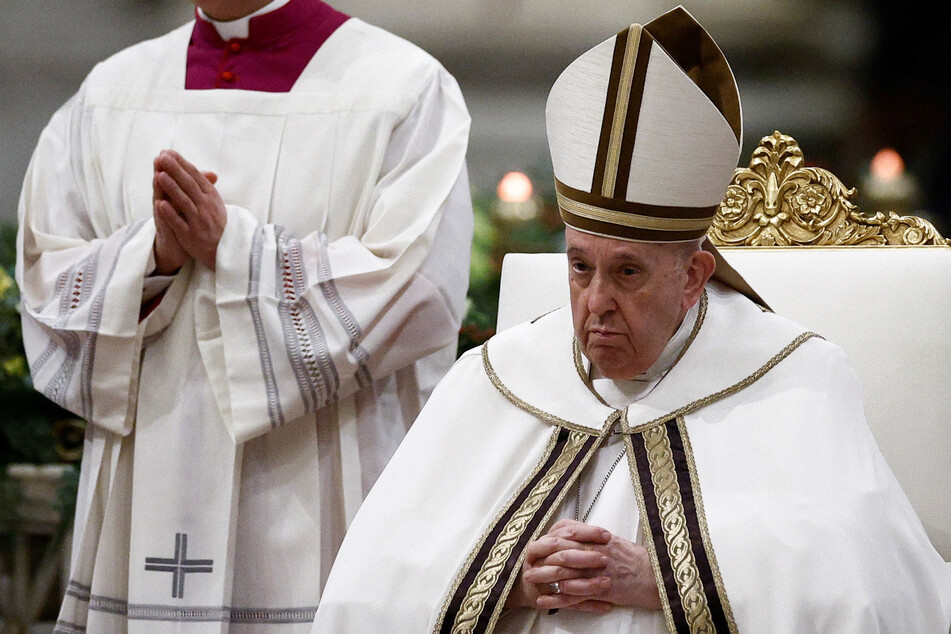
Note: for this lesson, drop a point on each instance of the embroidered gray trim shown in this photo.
(74, 288)
(267, 367)
(82, 274)
(99, 603)
(304, 339)
(78, 349)
(95, 320)
(250, 616)
(57, 387)
(272, 615)
(65, 627)
(147, 612)
(169, 613)
(78, 590)
(41, 360)
(329, 288)
(704, 527)
(76, 284)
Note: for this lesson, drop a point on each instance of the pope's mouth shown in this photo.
(603, 334)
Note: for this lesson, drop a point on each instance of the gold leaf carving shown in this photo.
(778, 202)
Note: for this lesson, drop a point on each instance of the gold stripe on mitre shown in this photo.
(619, 119)
(664, 219)
(627, 219)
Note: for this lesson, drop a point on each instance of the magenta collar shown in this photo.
(279, 46)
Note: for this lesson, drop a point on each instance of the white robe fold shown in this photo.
(235, 430)
(808, 526)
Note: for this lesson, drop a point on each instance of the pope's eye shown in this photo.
(579, 267)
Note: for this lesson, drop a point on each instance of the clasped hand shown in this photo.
(594, 570)
(189, 213)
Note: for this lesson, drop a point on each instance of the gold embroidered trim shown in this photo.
(584, 373)
(736, 387)
(628, 219)
(552, 440)
(534, 411)
(701, 315)
(546, 519)
(645, 526)
(474, 601)
(620, 110)
(704, 529)
(673, 519)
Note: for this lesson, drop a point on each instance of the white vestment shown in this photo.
(235, 430)
(803, 525)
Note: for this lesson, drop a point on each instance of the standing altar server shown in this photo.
(243, 256)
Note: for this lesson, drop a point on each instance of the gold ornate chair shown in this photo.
(878, 286)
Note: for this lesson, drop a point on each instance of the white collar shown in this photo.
(238, 29)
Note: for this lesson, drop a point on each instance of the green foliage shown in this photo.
(13, 369)
(27, 418)
(483, 297)
(494, 236)
(8, 242)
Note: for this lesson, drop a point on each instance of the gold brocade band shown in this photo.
(627, 219)
(478, 597)
(682, 557)
(620, 111)
(672, 518)
(707, 549)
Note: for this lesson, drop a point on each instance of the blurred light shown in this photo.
(887, 165)
(888, 184)
(515, 187)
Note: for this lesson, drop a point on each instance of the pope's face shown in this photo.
(628, 298)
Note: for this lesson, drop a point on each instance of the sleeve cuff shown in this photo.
(154, 285)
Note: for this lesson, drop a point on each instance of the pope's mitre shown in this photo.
(645, 132)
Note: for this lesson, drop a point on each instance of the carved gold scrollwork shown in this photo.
(778, 202)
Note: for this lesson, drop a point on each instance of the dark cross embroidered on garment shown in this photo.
(179, 565)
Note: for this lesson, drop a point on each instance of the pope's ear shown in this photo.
(700, 268)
